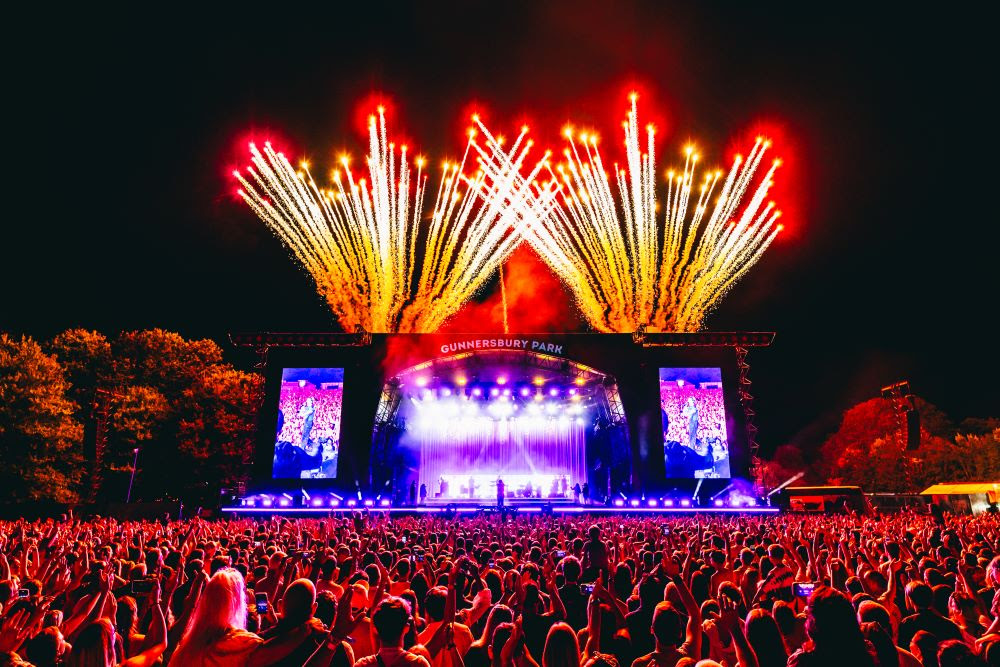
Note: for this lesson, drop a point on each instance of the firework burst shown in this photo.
(630, 259)
(377, 262)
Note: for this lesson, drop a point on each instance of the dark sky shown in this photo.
(120, 211)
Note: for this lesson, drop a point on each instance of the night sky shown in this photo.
(120, 211)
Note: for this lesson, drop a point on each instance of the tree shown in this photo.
(40, 440)
(217, 426)
(163, 360)
(85, 358)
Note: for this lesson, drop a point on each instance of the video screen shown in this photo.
(694, 423)
(307, 437)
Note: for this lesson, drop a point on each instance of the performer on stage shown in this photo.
(423, 494)
(576, 493)
(472, 488)
(308, 410)
(500, 492)
(442, 487)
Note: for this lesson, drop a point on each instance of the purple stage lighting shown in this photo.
(476, 391)
(633, 502)
(352, 502)
(383, 503)
(619, 502)
(284, 502)
(685, 503)
(525, 391)
(369, 503)
(334, 502)
(668, 503)
(652, 503)
(718, 503)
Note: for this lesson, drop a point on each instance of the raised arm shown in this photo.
(155, 643)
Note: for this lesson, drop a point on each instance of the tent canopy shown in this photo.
(961, 489)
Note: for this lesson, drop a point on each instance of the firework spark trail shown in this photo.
(364, 242)
(625, 268)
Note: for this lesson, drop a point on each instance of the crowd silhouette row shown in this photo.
(901, 589)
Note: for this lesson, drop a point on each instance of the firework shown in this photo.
(626, 265)
(375, 259)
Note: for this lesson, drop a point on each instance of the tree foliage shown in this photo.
(40, 439)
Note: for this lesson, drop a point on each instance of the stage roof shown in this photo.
(960, 489)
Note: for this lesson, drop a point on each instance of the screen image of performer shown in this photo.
(695, 442)
(309, 411)
(691, 412)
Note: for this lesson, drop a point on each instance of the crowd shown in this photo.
(894, 590)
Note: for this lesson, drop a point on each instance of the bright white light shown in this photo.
(446, 392)
(525, 391)
(494, 392)
(619, 502)
(633, 502)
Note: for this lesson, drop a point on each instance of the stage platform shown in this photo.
(492, 509)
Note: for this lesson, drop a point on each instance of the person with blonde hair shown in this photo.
(216, 634)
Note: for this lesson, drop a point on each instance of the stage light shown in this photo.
(446, 392)
(538, 397)
(461, 380)
(534, 408)
(717, 503)
(369, 502)
(553, 392)
(551, 408)
(284, 502)
(633, 502)
(538, 381)
(251, 502)
(752, 503)
(506, 392)
(668, 503)
(685, 503)
(268, 502)
(334, 503)
(619, 502)
(494, 392)
(302, 384)
(652, 503)
(580, 381)
(317, 502)
(501, 380)
(352, 502)
(580, 421)
(384, 503)
(572, 392)
(525, 391)
(476, 391)
(421, 382)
